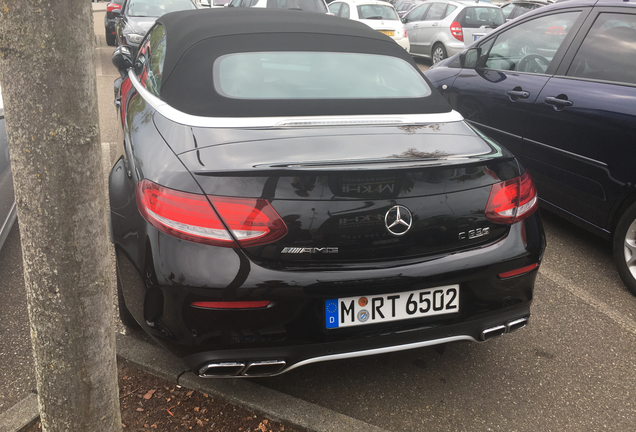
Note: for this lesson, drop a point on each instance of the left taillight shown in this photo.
(512, 201)
(207, 219)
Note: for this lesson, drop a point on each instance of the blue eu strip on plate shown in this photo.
(331, 313)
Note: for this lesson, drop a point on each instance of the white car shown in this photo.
(441, 28)
(379, 15)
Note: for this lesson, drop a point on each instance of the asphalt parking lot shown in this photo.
(571, 369)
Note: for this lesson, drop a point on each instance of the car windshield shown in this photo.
(316, 75)
(375, 11)
(157, 8)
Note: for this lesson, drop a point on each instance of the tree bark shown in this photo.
(47, 70)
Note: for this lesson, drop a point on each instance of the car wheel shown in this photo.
(438, 54)
(124, 314)
(110, 39)
(625, 248)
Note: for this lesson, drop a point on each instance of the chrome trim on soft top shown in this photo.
(281, 122)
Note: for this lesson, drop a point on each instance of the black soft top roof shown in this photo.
(195, 39)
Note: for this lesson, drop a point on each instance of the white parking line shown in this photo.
(624, 321)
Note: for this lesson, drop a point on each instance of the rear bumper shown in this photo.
(278, 360)
(293, 332)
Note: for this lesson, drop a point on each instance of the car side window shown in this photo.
(608, 52)
(156, 55)
(531, 45)
(334, 8)
(449, 10)
(141, 62)
(435, 12)
(417, 13)
(345, 11)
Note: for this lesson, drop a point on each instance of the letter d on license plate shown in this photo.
(356, 311)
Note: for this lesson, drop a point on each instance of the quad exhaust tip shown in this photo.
(500, 329)
(240, 368)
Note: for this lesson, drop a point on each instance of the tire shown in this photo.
(124, 314)
(624, 248)
(110, 39)
(438, 53)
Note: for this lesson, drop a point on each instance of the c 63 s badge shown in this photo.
(311, 250)
(479, 232)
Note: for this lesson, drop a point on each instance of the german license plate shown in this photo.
(357, 311)
(388, 32)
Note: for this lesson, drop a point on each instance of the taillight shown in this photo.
(512, 201)
(457, 31)
(405, 33)
(251, 221)
(111, 6)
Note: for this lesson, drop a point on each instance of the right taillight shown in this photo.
(457, 31)
(512, 200)
(207, 219)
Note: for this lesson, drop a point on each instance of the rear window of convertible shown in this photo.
(316, 75)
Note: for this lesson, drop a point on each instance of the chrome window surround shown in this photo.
(270, 122)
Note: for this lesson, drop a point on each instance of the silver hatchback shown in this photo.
(441, 28)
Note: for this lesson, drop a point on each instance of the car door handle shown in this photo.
(518, 94)
(435, 25)
(559, 102)
(415, 25)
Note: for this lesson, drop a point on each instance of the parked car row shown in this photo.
(557, 87)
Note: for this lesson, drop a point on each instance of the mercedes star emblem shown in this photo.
(398, 220)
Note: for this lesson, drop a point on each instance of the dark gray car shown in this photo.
(137, 16)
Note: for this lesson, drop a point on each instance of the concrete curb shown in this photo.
(20, 414)
(241, 392)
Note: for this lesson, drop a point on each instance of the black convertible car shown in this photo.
(292, 190)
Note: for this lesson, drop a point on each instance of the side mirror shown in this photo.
(116, 13)
(122, 59)
(405, 20)
(470, 58)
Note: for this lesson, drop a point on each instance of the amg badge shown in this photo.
(299, 250)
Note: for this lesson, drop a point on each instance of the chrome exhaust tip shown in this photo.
(517, 324)
(492, 332)
(221, 369)
(264, 368)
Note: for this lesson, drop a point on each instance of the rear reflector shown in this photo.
(193, 217)
(512, 201)
(519, 271)
(232, 304)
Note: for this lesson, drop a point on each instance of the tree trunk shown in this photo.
(47, 70)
